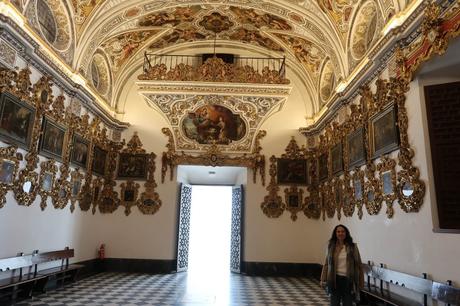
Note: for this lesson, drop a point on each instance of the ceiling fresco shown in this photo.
(307, 32)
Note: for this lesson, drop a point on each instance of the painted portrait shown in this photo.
(80, 148)
(322, 167)
(293, 201)
(99, 160)
(132, 166)
(52, 139)
(16, 120)
(47, 183)
(76, 185)
(213, 124)
(7, 171)
(384, 132)
(355, 147)
(337, 159)
(128, 195)
(358, 189)
(387, 183)
(292, 171)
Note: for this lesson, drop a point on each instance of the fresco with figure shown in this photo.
(213, 124)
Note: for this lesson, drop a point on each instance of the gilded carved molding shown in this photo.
(10, 160)
(272, 205)
(212, 157)
(149, 202)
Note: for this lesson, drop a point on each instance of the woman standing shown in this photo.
(342, 271)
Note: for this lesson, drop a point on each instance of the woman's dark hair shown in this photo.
(348, 239)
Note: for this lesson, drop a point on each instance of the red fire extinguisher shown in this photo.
(102, 251)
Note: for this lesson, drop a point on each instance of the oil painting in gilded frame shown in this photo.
(384, 133)
(292, 171)
(132, 166)
(52, 139)
(337, 159)
(16, 120)
(80, 149)
(99, 160)
(7, 171)
(355, 148)
(323, 173)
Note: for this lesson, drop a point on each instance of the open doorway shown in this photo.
(210, 228)
(214, 213)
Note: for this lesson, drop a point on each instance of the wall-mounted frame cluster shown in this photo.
(74, 148)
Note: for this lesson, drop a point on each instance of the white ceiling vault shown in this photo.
(104, 40)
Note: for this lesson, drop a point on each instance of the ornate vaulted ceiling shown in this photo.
(104, 40)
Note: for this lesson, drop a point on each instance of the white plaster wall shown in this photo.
(407, 242)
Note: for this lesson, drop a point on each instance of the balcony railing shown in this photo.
(214, 69)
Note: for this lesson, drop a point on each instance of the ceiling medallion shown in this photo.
(215, 22)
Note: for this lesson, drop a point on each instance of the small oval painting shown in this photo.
(213, 124)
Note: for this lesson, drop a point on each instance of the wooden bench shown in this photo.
(26, 278)
(381, 284)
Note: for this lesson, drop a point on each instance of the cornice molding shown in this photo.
(29, 50)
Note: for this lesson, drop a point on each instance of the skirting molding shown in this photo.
(154, 266)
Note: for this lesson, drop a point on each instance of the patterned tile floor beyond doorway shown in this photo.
(184, 289)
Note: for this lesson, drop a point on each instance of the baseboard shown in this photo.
(155, 266)
(281, 269)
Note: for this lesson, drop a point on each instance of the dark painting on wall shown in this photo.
(7, 169)
(293, 201)
(211, 124)
(52, 139)
(80, 149)
(337, 159)
(16, 120)
(322, 167)
(292, 171)
(132, 166)
(355, 146)
(384, 132)
(99, 160)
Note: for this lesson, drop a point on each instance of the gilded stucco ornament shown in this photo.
(9, 158)
(372, 191)
(96, 186)
(213, 156)
(387, 183)
(109, 201)
(293, 198)
(26, 189)
(48, 171)
(62, 187)
(357, 180)
(312, 205)
(76, 180)
(337, 195)
(327, 200)
(149, 202)
(272, 205)
(129, 195)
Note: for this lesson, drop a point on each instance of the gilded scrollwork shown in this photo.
(294, 201)
(372, 191)
(357, 179)
(149, 202)
(387, 183)
(108, 200)
(76, 180)
(329, 206)
(213, 156)
(272, 205)
(62, 188)
(348, 201)
(48, 171)
(129, 195)
(9, 158)
(337, 194)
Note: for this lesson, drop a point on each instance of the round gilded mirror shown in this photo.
(407, 189)
(27, 187)
(371, 196)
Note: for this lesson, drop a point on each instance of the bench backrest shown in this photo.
(54, 255)
(18, 262)
(441, 292)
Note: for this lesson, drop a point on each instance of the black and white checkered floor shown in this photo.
(185, 290)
